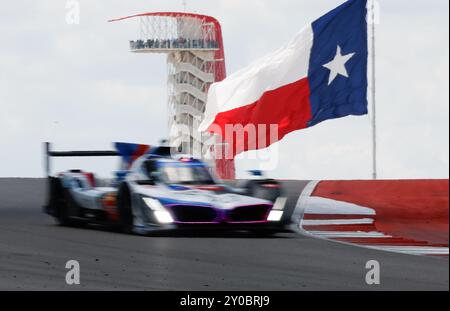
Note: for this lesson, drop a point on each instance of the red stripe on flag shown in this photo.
(288, 107)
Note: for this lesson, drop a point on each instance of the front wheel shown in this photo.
(125, 210)
(265, 189)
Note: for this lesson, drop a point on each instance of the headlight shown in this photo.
(161, 214)
(275, 215)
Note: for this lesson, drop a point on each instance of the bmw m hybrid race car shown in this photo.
(155, 191)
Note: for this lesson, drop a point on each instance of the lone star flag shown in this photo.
(320, 75)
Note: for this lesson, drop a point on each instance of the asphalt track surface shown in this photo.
(33, 253)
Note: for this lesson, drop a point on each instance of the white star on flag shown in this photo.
(337, 65)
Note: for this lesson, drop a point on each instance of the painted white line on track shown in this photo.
(324, 222)
(349, 234)
(318, 205)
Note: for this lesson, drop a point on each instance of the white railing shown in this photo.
(187, 88)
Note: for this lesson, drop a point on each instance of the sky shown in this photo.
(78, 86)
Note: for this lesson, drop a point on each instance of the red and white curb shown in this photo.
(351, 224)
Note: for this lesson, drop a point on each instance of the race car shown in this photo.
(155, 191)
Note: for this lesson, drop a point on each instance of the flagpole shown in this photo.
(374, 114)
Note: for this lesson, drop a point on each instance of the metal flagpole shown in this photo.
(374, 115)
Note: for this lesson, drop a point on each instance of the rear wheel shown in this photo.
(125, 209)
(62, 217)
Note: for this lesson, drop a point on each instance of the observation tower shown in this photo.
(195, 59)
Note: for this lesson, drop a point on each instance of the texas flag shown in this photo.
(320, 75)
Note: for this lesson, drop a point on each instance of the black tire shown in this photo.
(59, 204)
(125, 210)
(62, 218)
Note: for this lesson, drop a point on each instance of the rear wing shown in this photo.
(49, 154)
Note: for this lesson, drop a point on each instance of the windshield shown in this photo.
(186, 175)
